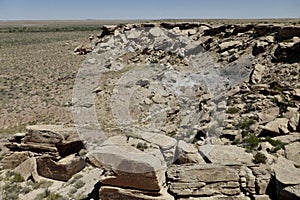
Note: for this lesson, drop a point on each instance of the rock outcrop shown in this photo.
(188, 111)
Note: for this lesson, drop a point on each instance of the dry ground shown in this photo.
(37, 75)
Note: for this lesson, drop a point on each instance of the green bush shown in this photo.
(251, 142)
(233, 110)
(259, 158)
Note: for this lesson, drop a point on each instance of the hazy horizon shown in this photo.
(147, 10)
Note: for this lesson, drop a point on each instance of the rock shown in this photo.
(285, 171)
(220, 154)
(247, 180)
(288, 32)
(218, 197)
(62, 170)
(287, 53)
(66, 148)
(268, 115)
(297, 93)
(292, 152)
(28, 169)
(87, 179)
(192, 180)
(83, 49)
(292, 137)
(263, 178)
(257, 73)
(15, 159)
(289, 193)
(17, 137)
(229, 45)
(214, 31)
(33, 147)
(261, 197)
(131, 167)
(277, 127)
(259, 47)
(115, 193)
(49, 134)
(188, 153)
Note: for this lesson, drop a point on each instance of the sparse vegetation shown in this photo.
(251, 142)
(233, 110)
(259, 158)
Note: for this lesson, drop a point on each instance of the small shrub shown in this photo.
(141, 146)
(246, 123)
(251, 142)
(259, 158)
(274, 143)
(233, 110)
(16, 178)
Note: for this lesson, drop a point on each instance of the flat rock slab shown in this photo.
(285, 171)
(203, 180)
(292, 152)
(131, 167)
(226, 155)
(51, 134)
(115, 193)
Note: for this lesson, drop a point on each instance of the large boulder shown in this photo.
(137, 170)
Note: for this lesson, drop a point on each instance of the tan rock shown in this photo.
(50, 134)
(285, 171)
(290, 192)
(228, 45)
(203, 180)
(62, 170)
(268, 115)
(115, 193)
(131, 167)
(28, 169)
(277, 127)
(15, 159)
(292, 152)
(222, 154)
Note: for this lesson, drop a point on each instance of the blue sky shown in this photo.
(146, 9)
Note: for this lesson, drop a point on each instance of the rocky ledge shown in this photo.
(225, 129)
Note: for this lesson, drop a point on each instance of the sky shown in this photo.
(146, 9)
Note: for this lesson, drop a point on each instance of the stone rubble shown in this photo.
(228, 129)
